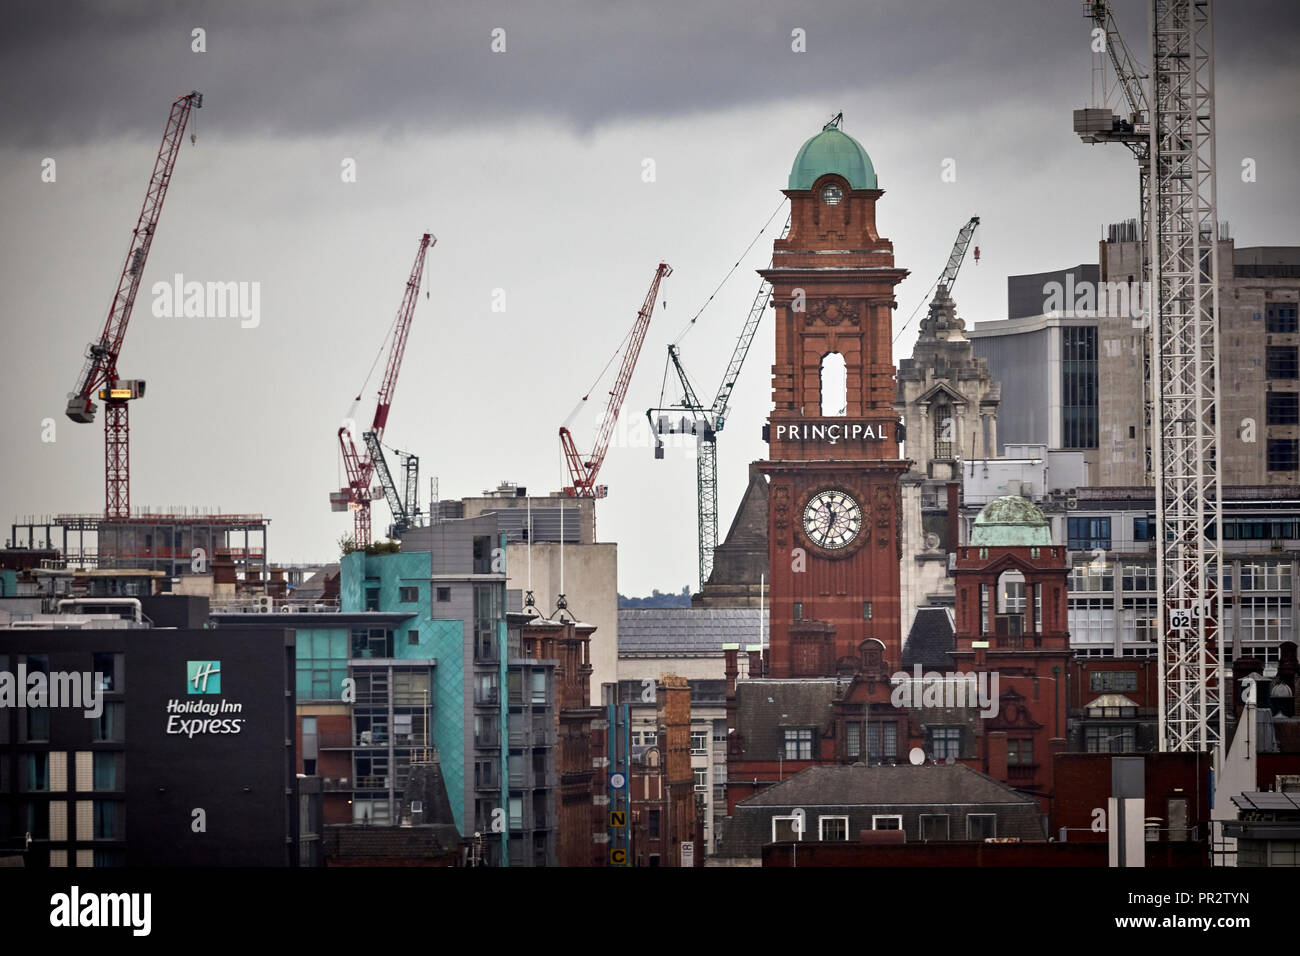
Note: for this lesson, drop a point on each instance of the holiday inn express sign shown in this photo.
(192, 717)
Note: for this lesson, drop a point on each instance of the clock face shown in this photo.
(832, 194)
(832, 519)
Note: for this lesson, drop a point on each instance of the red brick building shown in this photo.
(1012, 622)
(577, 818)
(833, 459)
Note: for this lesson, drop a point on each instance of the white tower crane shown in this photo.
(1170, 130)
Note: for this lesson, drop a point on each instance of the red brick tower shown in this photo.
(1013, 621)
(833, 515)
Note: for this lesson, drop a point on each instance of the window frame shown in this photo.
(821, 827)
(982, 816)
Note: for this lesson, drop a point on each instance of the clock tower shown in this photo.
(833, 465)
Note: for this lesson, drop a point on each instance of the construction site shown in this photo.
(1082, 507)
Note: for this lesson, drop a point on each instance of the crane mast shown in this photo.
(583, 472)
(360, 469)
(99, 374)
(1171, 132)
(712, 420)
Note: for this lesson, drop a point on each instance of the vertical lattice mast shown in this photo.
(1183, 226)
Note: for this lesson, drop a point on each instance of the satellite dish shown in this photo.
(917, 756)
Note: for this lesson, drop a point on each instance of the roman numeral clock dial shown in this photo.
(832, 519)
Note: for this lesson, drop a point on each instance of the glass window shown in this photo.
(408, 595)
(106, 770)
(934, 826)
(1281, 362)
(798, 745)
(1079, 386)
(1120, 681)
(701, 780)
(36, 775)
(1283, 408)
(981, 826)
(944, 430)
(1020, 753)
(444, 594)
(882, 741)
(1280, 318)
(785, 829)
(109, 726)
(1089, 533)
(1144, 529)
(886, 822)
(108, 820)
(853, 740)
(1283, 454)
(109, 666)
(699, 742)
(945, 742)
(833, 828)
(653, 823)
(1109, 739)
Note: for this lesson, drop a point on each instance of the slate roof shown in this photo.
(681, 630)
(742, 556)
(765, 708)
(930, 640)
(860, 792)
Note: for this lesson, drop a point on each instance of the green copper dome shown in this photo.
(1009, 522)
(833, 151)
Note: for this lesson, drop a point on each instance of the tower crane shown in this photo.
(583, 471)
(360, 468)
(99, 374)
(1171, 132)
(708, 421)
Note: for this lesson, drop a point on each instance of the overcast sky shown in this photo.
(528, 166)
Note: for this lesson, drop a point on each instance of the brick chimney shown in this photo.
(223, 568)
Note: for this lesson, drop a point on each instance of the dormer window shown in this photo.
(832, 194)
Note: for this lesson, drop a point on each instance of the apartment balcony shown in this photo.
(490, 784)
(488, 741)
(487, 697)
(373, 782)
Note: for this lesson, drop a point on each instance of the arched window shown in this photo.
(945, 430)
(835, 385)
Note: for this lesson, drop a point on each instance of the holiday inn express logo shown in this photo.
(204, 677)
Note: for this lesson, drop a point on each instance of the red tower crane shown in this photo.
(100, 371)
(584, 471)
(361, 467)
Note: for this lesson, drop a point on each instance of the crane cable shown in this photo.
(735, 266)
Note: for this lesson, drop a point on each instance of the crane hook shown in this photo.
(977, 255)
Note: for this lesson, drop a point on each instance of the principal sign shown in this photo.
(832, 433)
